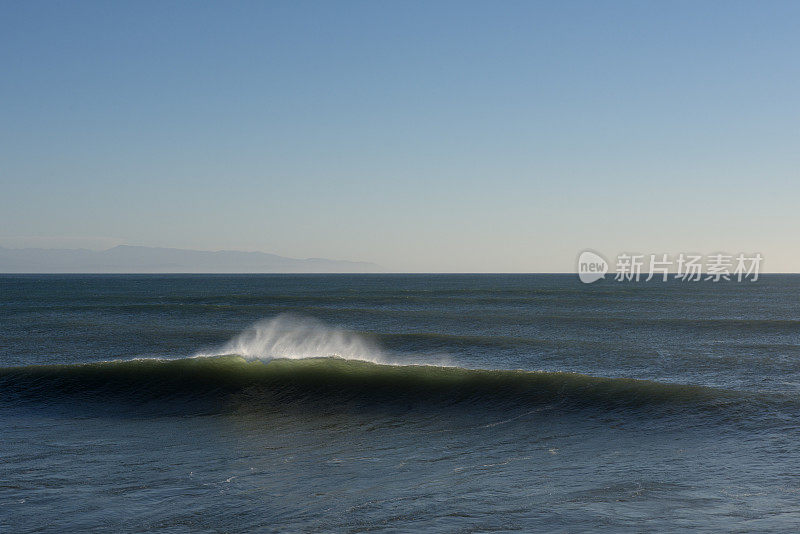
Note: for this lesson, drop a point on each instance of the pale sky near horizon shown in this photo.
(422, 136)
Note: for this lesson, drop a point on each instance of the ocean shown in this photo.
(398, 403)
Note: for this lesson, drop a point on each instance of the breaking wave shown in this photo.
(294, 361)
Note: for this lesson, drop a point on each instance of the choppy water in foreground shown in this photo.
(398, 403)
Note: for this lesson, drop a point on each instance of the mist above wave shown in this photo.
(294, 337)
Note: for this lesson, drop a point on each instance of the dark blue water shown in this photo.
(399, 403)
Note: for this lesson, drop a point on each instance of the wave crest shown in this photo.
(292, 337)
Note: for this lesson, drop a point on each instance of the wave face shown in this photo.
(335, 382)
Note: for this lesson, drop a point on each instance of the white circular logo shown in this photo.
(591, 266)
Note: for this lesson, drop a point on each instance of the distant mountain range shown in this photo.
(133, 259)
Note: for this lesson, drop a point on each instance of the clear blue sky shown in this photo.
(429, 136)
